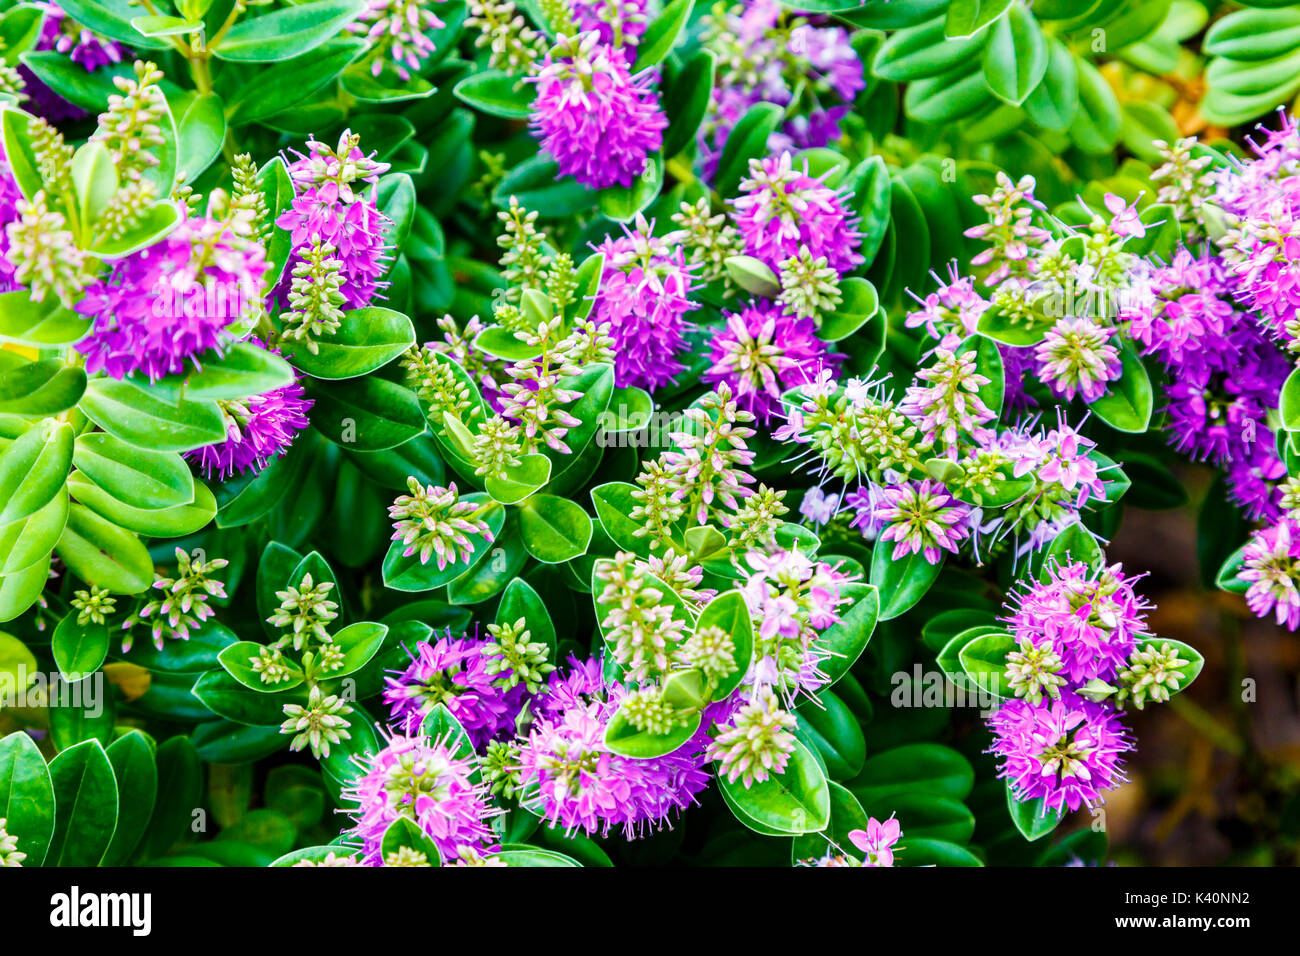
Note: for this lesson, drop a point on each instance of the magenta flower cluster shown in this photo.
(161, 308)
(592, 116)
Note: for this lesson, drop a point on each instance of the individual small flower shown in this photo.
(456, 674)
(1066, 752)
(257, 429)
(819, 507)
(639, 624)
(472, 856)
(646, 710)
(41, 253)
(321, 723)
(570, 778)
(762, 352)
(709, 238)
(331, 859)
(184, 604)
(1152, 672)
(10, 855)
(877, 841)
(712, 650)
(1271, 563)
(1092, 619)
(397, 31)
(513, 658)
(93, 606)
(428, 783)
(921, 518)
(1033, 671)
(434, 522)
(598, 121)
(271, 665)
(1125, 220)
(643, 300)
(756, 743)
(406, 856)
(513, 45)
(161, 308)
(810, 288)
(617, 22)
(305, 609)
(336, 205)
(948, 403)
(1077, 357)
(781, 211)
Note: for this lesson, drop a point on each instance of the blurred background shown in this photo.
(1216, 776)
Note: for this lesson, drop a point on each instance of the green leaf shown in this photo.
(94, 180)
(623, 203)
(46, 387)
(89, 89)
(403, 833)
(170, 522)
(554, 529)
(149, 422)
(495, 93)
(848, 637)
(359, 643)
(1015, 58)
(1054, 101)
(662, 33)
(293, 80)
(39, 324)
(518, 482)
(245, 369)
(796, 801)
(901, 581)
(101, 553)
(26, 543)
(135, 477)
(921, 51)
(686, 98)
(922, 851)
(623, 738)
(111, 18)
(834, 730)
(86, 802)
(1072, 543)
(286, 33)
(1288, 402)
(614, 504)
(860, 302)
(365, 414)
(521, 600)
(237, 660)
(367, 339)
(531, 856)
(26, 796)
(965, 17)
(1096, 124)
(406, 573)
(132, 759)
(1031, 817)
(226, 697)
(984, 661)
(33, 469)
(913, 768)
(747, 140)
(729, 612)
(199, 136)
(79, 649)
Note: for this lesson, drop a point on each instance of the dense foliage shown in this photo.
(588, 431)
